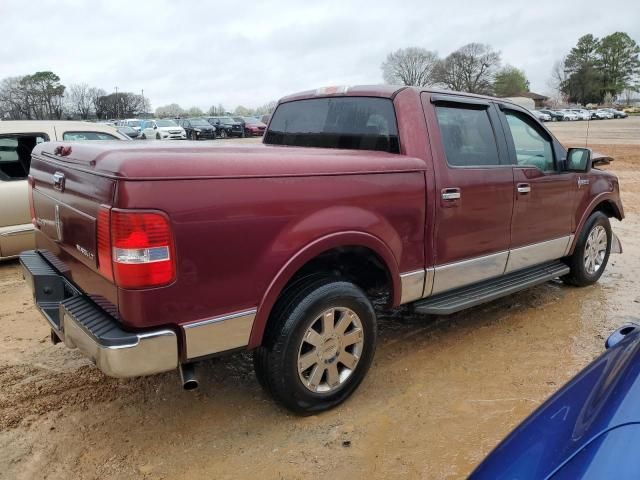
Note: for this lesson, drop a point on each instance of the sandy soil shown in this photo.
(442, 392)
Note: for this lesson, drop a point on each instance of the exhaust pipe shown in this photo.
(188, 376)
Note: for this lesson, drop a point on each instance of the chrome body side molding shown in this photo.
(218, 334)
(412, 285)
(459, 274)
(537, 253)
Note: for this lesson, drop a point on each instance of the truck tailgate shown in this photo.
(66, 200)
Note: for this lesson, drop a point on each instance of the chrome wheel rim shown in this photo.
(330, 350)
(595, 249)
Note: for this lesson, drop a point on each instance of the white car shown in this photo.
(582, 114)
(604, 113)
(17, 139)
(543, 117)
(569, 115)
(134, 123)
(162, 130)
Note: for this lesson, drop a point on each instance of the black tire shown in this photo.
(193, 136)
(143, 137)
(158, 136)
(223, 134)
(276, 361)
(579, 276)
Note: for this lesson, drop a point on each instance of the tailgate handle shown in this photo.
(58, 181)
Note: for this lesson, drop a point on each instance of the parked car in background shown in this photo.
(253, 127)
(569, 115)
(131, 122)
(164, 129)
(601, 114)
(226, 127)
(582, 113)
(283, 247)
(265, 118)
(616, 113)
(555, 116)
(198, 129)
(543, 117)
(17, 139)
(128, 131)
(589, 429)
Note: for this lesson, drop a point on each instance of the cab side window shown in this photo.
(15, 154)
(81, 136)
(533, 148)
(467, 136)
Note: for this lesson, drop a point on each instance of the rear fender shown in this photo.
(309, 252)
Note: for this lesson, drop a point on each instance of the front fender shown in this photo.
(612, 198)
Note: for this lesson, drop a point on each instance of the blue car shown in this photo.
(589, 429)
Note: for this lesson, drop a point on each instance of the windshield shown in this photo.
(226, 120)
(166, 123)
(198, 122)
(134, 123)
(356, 123)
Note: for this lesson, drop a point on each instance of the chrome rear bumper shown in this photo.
(81, 324)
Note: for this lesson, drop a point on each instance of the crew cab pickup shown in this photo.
(152, 257)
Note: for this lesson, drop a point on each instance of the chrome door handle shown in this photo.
(523, 188)
(451, 194)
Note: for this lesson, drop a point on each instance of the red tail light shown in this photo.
(32, 208)
(139, 252)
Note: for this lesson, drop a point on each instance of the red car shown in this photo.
(252, 126)
(443, 200)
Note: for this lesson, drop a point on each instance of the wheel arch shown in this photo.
(352, 243)
(606, 204)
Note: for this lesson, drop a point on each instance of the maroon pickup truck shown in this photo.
(151, 258)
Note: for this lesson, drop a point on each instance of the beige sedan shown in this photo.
(17, 139)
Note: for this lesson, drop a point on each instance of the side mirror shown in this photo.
(578, 160)
(155, 127)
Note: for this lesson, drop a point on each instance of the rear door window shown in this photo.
(467, 136)
(354, 123)
(15, 154)
(81, 136)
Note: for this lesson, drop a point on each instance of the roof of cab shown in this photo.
(383, 91)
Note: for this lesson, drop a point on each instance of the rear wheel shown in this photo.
(319, 346)
(158, 136)
(591, 253)
(223, 134)
(143, 137)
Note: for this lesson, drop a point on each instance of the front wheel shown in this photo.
(319, 345)
(591, 253)
(193, 136)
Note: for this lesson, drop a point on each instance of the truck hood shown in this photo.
(128, 160)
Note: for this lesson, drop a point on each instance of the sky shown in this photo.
(243, 52)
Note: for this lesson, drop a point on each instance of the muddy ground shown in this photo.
(442, 391)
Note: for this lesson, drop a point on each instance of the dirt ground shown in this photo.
(441, 394)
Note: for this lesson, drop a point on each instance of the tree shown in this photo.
(510, 81)
(243, 111)
(172, 110)
(194, 112)
(584, 80)
(94, 95)
(618, 62)
(79, 101)
(410, 66)
(267, 108)
(471, 69)
(38, 96)
(120, 105)
(216, 111)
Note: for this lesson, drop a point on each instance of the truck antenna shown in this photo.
(586, 138)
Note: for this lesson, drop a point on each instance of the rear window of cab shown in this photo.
(353, 123)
